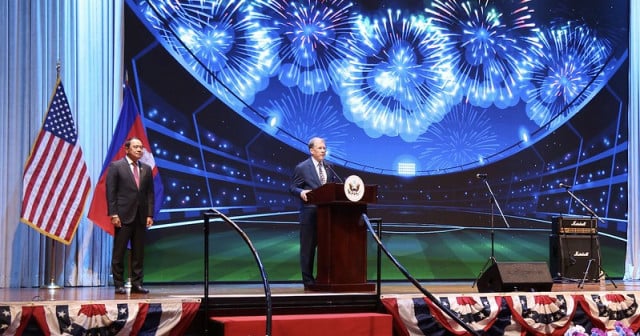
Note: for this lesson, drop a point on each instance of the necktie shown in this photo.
(323, 177)
(136, 173)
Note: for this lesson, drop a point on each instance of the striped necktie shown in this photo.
(323, 177)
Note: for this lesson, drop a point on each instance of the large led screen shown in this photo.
(416, 97)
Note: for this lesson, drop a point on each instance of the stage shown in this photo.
(177, 309)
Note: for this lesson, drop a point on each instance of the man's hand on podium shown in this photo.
(303, 194)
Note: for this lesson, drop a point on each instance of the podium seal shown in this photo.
(354, 188)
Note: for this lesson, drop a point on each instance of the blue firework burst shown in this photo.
(315, 34)
(224, 43)
(571, 66)
(490, 47)
(304, 116)
(399, 84)
(464, 136)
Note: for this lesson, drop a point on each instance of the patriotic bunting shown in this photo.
(169, 317)
(514, 314)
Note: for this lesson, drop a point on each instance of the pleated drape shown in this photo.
(632, 264)
(86, 38)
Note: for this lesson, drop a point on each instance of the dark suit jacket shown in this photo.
(123, 198)
(305, 177)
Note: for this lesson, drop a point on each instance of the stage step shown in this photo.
(352, 324)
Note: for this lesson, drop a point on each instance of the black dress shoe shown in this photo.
(139, 289)
(121, 290)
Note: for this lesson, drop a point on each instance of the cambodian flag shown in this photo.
(129, 125)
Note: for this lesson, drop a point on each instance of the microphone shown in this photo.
(481, 176)
(562, 185)
(328, 166)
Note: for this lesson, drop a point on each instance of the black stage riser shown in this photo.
(310, 303)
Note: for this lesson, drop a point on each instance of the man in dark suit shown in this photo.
(307, 176)
(130, 199)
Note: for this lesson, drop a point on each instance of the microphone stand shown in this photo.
(591, 233)
(327, 165)
(493, 201)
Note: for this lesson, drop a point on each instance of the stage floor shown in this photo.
(221, 290)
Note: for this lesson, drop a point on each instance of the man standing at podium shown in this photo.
(307, 176)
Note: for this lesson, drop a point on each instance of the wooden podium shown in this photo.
(342, 239)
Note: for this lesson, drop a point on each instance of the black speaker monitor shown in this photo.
(516, 276)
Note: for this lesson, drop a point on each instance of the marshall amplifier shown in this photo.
(569, 256)
(574, 225)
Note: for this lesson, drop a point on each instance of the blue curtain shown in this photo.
(632, 267)
(86, 39)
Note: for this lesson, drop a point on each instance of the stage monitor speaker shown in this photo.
(569, 256)
(516, 276)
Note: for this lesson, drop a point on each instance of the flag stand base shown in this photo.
(51, 285)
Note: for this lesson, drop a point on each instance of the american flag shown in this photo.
(55, 182)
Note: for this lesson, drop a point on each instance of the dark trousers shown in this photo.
(308, 242)
(133, 232)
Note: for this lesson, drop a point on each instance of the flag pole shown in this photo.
(52, 266)
(50, 245)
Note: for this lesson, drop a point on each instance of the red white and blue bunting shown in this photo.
(514, 314)
(168, 317)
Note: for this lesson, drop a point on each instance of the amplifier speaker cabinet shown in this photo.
(569, 256)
